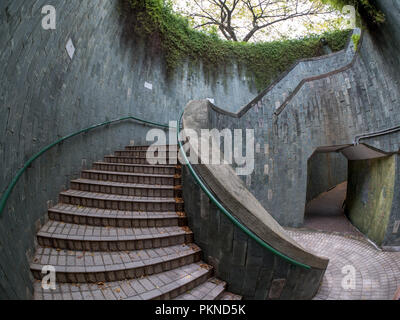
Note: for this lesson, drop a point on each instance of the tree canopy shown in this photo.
(260, 20)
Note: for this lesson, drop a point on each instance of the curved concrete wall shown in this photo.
(371, 196)
(327, 111)
(265, 275)
(45, 95)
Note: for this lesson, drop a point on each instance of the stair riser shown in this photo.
(127, 191)
(120, 275)
(133, 169)
(152, 206)
(117, 222)
(118, 245)
(145, 148)
(145, 154)
(165, 181)
(186, 287)
(127, 160)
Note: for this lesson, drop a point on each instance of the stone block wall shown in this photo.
(45, 95)
(370, 200)
(249, 269)
(326, 111)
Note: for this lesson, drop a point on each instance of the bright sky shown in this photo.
(288, 29)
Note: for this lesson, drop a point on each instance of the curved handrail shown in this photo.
(224, 210)
(13, 183)
(15, 180)
(359, 137)
(243, 110)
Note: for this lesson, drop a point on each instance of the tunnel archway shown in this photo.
(327, 175)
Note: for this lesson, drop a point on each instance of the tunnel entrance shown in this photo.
(327, 173)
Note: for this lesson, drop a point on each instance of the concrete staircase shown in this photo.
(120, 232)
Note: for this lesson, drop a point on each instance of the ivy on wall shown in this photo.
(263, 61)
(365, 8)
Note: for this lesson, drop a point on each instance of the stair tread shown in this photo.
(131, 174)
(73, 261)
(115, 197)
(136, 165)
(114, 214)
(209, 290)
(134, 157)
(68, 231)
(147, 288)
(123, 184)
(158, 145)
(230, 296)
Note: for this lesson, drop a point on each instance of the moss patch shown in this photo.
(356, 40)
(370, 195)
(262, 61)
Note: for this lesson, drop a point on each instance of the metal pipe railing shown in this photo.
(220, 206)
(20, 172)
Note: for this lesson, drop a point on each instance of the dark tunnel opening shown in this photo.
(327, 174)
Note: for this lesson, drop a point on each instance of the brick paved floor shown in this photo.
(377, 273)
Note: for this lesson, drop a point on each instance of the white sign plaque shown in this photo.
(70, 48)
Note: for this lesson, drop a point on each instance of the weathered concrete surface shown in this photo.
(327, 111)
(325, 171)
(231, 191)
(371, 201)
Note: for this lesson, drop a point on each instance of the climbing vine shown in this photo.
(263, 61)
(365, 8)
(356, 40)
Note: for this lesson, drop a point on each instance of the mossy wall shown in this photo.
(370, 195)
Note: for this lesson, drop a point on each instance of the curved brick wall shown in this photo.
(45, 95)
(325, 112)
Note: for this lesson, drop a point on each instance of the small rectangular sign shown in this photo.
(148, 86)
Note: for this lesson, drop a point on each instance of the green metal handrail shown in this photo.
(236, 222)
(13, 183)
(225, 211)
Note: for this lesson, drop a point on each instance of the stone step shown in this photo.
(120, 202)
(137, 178)
(138, 168)
(153, 153)
(209, 290)
(68, 236)
(159, 147)
(115, 218)
(140, 160)
(163, 286)
(127, 189)
(230, 296)
(101, 266)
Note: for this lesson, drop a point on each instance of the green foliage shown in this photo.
(368, 11)
(264, 61)
(356, 40)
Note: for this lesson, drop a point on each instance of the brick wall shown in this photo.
(325, 112)
(45, 95)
